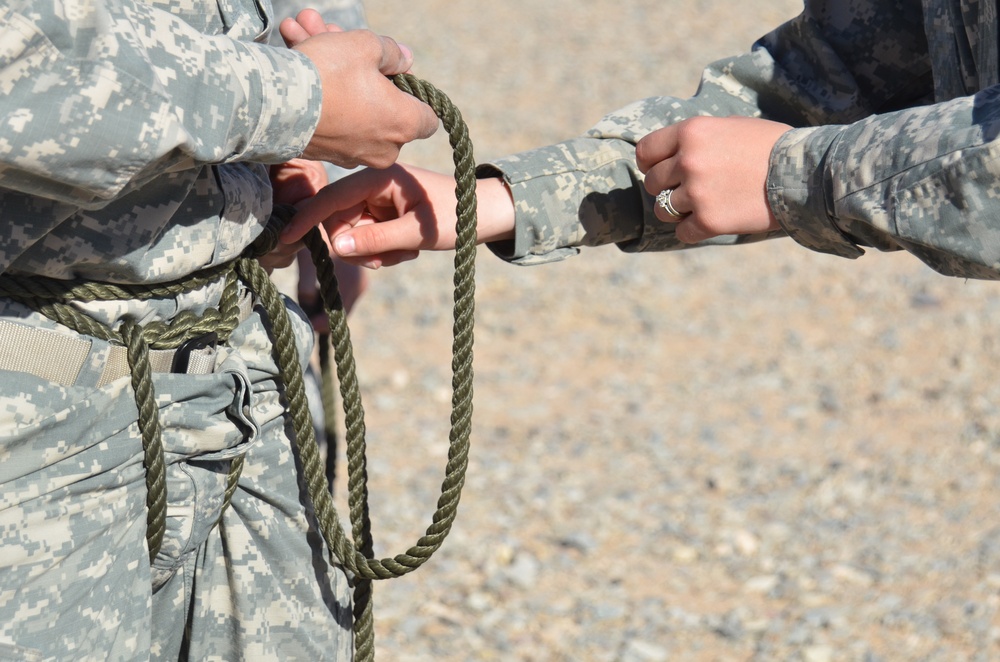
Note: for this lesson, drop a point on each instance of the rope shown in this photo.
(329, 406)
(356, 553)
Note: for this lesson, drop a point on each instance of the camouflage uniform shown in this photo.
(134, 143)
(896, 105)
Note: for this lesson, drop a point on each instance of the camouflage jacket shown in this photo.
(136, 133)
(895, 145)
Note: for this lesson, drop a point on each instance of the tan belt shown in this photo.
(59, 357)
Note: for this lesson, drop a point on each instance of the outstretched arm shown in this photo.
(383, 217)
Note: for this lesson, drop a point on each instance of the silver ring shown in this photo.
(663, 199)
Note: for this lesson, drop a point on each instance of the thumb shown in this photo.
(396, 58)
(419, 115)
(370, 239)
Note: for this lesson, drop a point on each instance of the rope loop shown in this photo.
(357, 555)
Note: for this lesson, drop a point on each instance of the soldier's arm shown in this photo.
(925, 180)
(815, 69)
(99, 98)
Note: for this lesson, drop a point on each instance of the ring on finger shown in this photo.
(663, 200)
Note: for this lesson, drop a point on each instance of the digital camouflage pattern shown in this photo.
(76, 582)
(135, 142)
(896, 104)
(115, 113)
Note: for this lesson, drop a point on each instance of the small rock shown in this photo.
(817, 654)
(685, 554)
(761, 584)
(643, 651)
(746, 543)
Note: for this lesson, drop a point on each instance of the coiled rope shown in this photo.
(54, 298)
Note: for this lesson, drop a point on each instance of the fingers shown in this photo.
(281, 257)
(366, 239)
(307, 23)
(297, 180)
(691, 231)
(365, 119)
(655, 147)
(422, 118)
(292, 32)
(663, 182)
(657, 156)
(348, 201)
(396, 58)
(312, 21)
(366, 215)
(390, 259)
(690, 228)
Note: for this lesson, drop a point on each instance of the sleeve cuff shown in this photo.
(581, 192)
(284, 102)
(799, 194)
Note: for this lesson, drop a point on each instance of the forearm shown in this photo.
(103, 100)
(922, 180)
(811, 70)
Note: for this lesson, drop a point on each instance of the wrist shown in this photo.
(495, 210)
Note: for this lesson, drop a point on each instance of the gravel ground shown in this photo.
(755, 453)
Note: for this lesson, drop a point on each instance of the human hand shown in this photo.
(383, 217)
(291, 183)
(306, 23)
(365, 119)
(717, 168)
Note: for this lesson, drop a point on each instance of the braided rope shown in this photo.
(358, 556)
(328, 397)
(151, 431)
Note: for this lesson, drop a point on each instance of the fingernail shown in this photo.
(372, 264)
(344, 244)
(407, 53)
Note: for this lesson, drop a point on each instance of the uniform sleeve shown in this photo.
(924, 180)
(98, 97)
(836, 63)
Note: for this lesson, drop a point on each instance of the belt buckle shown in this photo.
(182, 356)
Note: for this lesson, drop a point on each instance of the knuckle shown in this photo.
(383, 160)
(686, 129)
(695, 192)
(642, 152)
(375, 240)
(368, 43)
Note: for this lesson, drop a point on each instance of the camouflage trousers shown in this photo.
(75, 577)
